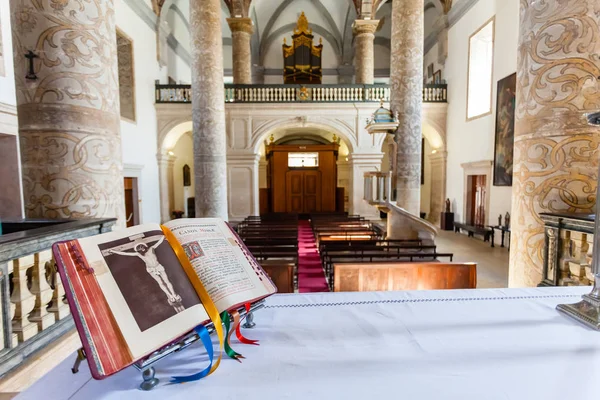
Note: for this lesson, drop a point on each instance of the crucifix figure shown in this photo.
(155, 269)
(31, 74)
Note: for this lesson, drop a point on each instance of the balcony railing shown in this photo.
(378, 188)
(299, 93)
(34, 311)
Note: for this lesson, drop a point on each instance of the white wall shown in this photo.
(7, 81)
(139, 137)
(431, 57)
(474, 141)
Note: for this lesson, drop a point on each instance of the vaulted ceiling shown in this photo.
(274, 19)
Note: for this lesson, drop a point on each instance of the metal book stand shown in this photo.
(146, 365)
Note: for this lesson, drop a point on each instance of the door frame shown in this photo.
(135, 171)
(477, 168)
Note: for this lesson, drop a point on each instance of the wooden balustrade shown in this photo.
(36, 312)
(298, 93)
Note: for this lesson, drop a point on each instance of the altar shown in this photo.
(465, 344)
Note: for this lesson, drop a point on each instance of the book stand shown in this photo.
(146, 365)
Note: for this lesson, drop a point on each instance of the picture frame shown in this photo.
(504, 136)
(430, 71)
(437, 77)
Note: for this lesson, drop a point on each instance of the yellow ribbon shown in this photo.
(207, 302)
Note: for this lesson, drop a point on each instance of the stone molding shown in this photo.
(365, 26)
(244, 25)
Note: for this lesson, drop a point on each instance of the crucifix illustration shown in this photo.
(154, 268)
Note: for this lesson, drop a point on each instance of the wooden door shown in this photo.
(132, 208)
(303, 191)
(476, 199)
(294, 189)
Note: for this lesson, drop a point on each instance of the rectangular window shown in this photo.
(480, 70)
(126, 77)
(303, 160)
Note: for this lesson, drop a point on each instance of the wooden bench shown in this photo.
(472, 230)
(404, 276)
(281, 273)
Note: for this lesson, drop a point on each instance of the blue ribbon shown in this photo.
(205, 338)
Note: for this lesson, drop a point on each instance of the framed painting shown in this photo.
(437, 77)
(430, 71)
(505, 131)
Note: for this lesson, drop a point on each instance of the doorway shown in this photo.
(476, 199)
(132, 202)
(303, 194)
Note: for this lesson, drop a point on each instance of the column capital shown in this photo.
(241, 25)
(362, 26)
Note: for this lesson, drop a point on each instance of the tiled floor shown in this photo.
(492, 263)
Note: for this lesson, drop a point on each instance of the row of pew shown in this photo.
(351, 239)
(273, 241)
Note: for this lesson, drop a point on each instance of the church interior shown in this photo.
(422, 174)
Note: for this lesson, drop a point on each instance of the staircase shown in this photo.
(401, 224)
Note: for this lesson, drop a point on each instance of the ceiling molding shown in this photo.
(327, 15)
(266, 44)
(178, 11)
(456, 13)
(270, 23)
(348, 38)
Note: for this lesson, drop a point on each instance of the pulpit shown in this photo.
(302, 60)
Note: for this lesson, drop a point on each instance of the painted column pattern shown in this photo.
(208, 109)
(241, 33)
(406, 81)
(69, 123)
(364, 57)
(556, 157)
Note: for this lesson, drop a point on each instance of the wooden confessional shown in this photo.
(302, 179)
(302, 60)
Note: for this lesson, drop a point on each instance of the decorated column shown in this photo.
(555, 157)
(406, 81)
(364, 56)
(208, 109)
(241, 33)
(65, 56)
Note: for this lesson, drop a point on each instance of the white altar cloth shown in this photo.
(466, 344)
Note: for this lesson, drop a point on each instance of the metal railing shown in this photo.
(299, 93)
(34, 310)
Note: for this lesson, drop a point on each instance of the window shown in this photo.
(479, 79)
(303, 160)
(126, 78)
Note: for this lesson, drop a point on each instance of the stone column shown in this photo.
(167, 190)
(406, 81)
(241, 33)
(208, 109)
(68, 109)
(364, 55)
(555, 151)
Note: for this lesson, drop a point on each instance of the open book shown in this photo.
(130, 294)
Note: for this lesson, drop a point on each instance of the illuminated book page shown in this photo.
(230, 276)
(145, 286)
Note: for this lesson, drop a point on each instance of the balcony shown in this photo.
(299, 93)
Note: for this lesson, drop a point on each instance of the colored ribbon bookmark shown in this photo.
(207, 302)
(228, 331)
(238, 330)
(205, 338)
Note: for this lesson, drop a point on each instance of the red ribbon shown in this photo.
(238, 331)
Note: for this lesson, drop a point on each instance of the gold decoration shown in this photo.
(302, 26)
(271, 139)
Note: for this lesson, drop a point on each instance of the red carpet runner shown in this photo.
(310, 270)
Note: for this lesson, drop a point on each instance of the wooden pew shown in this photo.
(281, 273)
(404, 276)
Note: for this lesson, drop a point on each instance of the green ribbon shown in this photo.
(228, 331)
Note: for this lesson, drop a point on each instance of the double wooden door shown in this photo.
(303, 191)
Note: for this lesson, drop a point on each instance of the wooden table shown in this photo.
(504, 230)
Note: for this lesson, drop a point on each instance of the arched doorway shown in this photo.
(304, 170)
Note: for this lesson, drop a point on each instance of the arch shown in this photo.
(333, 126)
(434, 134)
(170, 134)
